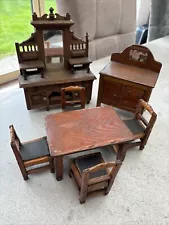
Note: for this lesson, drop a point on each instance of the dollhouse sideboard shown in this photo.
(46, 92)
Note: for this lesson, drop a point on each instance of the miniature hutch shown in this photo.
(42, 81)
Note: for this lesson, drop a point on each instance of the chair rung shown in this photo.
(36, 161)
(38, 169)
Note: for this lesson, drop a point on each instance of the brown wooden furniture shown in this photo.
(130, 76)
(77, 94)
(29, 57)
(30, 153)
(92, 173)
(53, 52)
(46, 93)
(79, 53)
(53, 21)
(139, 126)
(85, 129)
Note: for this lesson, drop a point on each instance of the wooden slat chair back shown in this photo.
(92, 174)
(140, 127)
(78, 96)
(78, 47)
(27, 51)
(30, 153)
(29, 56)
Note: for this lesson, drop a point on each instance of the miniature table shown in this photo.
(46, 92)
(76, 131)
(130, 76)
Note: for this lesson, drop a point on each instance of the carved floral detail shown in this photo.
(138, 55)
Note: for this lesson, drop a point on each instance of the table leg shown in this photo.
(121, 152)
(59, 167)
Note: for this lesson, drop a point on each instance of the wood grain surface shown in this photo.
(131, 73)
(74, 131)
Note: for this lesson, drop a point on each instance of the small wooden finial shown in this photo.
(51, 15)
(67, 16)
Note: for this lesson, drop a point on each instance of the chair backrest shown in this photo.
(78, 47)
(142, 105)
(15, 142)
(109, 177)
(81, 91)
(27, 50)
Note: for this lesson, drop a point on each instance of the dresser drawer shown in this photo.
(133, 93)
(128, 103)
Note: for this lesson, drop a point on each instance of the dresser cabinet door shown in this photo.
(37, 99)
(111, 92)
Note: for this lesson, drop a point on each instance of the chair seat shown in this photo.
(31, 64)
(135, 126)
(89, 161)
(35, 149)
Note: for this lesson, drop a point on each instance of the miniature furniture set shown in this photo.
(92, 173)
(126, 83)
(130, 76)
(30, 153)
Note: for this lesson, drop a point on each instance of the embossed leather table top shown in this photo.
(79, 130)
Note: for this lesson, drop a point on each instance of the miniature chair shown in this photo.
(91, 174)
(77, 95)
(30, 153)
(28, 57)
(139, 126)
(53, 52)
(79, 53)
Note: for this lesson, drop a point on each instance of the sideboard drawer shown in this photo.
(133, 93)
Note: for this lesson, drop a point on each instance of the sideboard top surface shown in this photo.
(130, 73)
(55, 74)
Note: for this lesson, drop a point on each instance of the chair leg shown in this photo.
(83, 193)
(51, 163)
(24, 172)
(42, 72)
(141, 147)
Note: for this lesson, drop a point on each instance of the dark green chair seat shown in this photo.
(89, 161)
(33, 150)
(135, 126)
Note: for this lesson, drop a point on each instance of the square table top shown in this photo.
(75, 131)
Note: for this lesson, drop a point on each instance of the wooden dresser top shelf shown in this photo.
(55, 74)
(131, 73)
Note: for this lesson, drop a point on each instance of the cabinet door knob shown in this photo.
(114, 94)
(44, 98)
